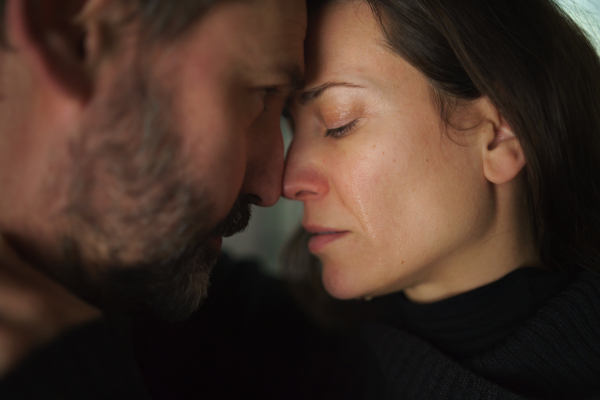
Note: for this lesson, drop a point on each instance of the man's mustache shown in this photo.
(236, 221)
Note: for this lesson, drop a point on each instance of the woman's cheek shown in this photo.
(368, 181)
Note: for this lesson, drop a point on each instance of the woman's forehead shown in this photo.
(343, 34)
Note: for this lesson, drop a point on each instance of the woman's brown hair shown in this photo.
(543, 75)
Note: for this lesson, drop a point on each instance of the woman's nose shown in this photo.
(303, 180)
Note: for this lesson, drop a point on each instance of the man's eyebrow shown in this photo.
(313, 94)
(296, 82)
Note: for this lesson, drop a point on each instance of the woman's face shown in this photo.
(394, 202)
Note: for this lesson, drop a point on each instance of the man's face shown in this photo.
(174, 137)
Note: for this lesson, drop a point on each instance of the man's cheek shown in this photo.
(224, 171)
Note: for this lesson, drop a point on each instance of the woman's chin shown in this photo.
(343, 286)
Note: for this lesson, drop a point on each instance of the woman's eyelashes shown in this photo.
(342, 130)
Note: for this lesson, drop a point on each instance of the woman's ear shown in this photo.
(52, 44)
(503, 156)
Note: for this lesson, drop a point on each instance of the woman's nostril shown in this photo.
(303, 194)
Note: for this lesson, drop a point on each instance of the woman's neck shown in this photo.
(508, 244)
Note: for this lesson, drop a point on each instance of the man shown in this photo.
(135, 134)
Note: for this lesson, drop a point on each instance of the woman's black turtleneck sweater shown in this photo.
(532, 334)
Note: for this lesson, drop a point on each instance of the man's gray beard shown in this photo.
(168, 286)
(145, 246)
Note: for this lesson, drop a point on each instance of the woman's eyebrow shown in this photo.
(313, 94)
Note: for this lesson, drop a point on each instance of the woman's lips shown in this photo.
(319, 240)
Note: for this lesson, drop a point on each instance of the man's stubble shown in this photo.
(140, 241)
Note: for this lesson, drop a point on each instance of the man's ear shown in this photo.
(503, 156)
(47, 37)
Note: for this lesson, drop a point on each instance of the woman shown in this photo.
(447, 154)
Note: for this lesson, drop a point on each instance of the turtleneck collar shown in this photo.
(475, 321)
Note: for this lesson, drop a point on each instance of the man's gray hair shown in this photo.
(161, 19)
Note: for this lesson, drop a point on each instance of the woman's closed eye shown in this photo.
(342, 130)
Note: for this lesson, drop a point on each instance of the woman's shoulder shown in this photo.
(556, 353)
(573, 311)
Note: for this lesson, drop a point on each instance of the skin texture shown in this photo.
(424, 208)
(123, 163)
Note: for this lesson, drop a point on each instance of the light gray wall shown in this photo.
(587, 14)
(269, 229)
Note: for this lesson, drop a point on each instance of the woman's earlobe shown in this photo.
(503, 156)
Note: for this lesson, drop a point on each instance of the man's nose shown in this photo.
(303, 180)
(264, 169)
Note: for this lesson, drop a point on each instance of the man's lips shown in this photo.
(322, 236)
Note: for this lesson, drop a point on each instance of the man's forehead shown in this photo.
(260, 41)
(273, 41)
